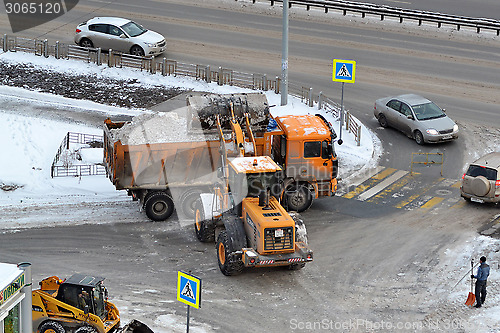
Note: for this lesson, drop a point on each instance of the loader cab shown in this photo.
(84, 292)
(250, 176)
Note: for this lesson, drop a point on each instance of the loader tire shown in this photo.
(231, 239)
(159, 206)
(205, 229)
(298, 198)
(86, 329)
(228, 264)
(300, 227)
(300, 236)
(52, 327)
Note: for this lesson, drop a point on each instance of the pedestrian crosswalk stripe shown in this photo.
(415, 196)
(459, 204)
(383, 184)
(432, 202)
(391, 189)
(372, 180)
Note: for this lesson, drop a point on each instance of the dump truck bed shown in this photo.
(156, 151)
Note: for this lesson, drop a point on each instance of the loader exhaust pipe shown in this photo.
(264, 199)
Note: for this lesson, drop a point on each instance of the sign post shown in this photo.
(188, 292)
(343, 71)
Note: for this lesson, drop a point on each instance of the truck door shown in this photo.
(318, 157)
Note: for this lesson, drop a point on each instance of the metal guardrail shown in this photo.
(396, 12)
(223, 76)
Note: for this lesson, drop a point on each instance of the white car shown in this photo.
(119, 34)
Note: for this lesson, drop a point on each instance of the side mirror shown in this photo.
(444, 110)
(410, 117)
(220, 173)
(86, 309)
(123, 36)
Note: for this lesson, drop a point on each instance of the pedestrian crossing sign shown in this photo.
(344, 70)
(189, 289)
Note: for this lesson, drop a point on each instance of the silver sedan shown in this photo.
(417, 117)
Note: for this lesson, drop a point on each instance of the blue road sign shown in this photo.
(189, 289)
(344, 71)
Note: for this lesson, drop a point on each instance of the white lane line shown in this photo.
(380, 186)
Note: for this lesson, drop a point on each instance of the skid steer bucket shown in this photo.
(204, 108)
(135, 326)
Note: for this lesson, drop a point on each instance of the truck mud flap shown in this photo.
(135, 326)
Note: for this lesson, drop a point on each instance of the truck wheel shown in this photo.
(52, 327)
(188, 202)
(86, 329)
(227, 264)
(298, 198)
(159, 206)
(205, 229)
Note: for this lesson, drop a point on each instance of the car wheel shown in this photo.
(85, 42)
(137, 51)
(419, 138)
(382, 120)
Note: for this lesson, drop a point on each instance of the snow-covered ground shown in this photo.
(32, 142)
(29, 144)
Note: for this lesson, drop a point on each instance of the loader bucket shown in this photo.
(135, 326)
(204, 108)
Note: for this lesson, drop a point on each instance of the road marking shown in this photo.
(413, 197)
(460, 204)
(457, 184)
(431, 203)
(383, 184)
(391, 189)
(360, 188)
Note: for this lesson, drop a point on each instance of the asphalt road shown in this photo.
(371, 261)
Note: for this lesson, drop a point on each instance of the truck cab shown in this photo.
(303, 147)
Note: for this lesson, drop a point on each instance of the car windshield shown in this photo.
(133, 29)
(477, 170)
(427, 111)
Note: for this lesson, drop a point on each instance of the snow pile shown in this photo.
(157, 127)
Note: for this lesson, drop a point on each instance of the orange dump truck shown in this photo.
(160, 174)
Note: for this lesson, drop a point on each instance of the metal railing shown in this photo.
(429, 160)
(72, 170)
(401, 13)
(223, 76)
(78, 170)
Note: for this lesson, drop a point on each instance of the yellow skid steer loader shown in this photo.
(77, 305)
